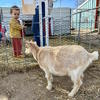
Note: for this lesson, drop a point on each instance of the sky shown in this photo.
(58, 3)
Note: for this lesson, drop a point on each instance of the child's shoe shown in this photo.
(21, 56)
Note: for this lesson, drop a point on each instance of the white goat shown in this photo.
(71, 60)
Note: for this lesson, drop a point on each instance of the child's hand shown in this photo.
(24, 27)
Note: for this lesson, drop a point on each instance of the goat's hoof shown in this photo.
(70, 95)
(49, 88)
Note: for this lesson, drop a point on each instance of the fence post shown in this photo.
(40, 22)
(79, 27)
(99, 26)
(70, 20)
(46, 23)
(90, 44)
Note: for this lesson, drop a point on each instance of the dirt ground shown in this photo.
(28, 83)
(31, 85)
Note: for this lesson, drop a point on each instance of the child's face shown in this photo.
(15, 14)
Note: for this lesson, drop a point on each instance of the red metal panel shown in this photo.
(96, 17)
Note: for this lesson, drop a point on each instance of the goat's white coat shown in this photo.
(71, 60)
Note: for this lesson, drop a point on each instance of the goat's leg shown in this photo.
(77, 84)
(49, 78)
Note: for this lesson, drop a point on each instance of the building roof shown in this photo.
(79, 7)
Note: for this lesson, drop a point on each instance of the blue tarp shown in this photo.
(35, 25)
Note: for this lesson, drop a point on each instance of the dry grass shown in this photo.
(21, 80)
(7, 61)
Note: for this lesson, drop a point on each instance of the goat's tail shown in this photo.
(94, 55)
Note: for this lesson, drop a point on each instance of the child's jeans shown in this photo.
(17, 46)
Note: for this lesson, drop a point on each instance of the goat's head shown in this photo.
(28, 46)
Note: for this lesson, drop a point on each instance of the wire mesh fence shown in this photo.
(66, 27)
(86, 26)
(80, 27)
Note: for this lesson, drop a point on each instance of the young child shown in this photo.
(15, 32)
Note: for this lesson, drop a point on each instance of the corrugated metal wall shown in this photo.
(61, 20)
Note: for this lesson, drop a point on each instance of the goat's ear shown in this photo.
(31, 44)
(31, 41)
(26, 41)
(35, 43)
